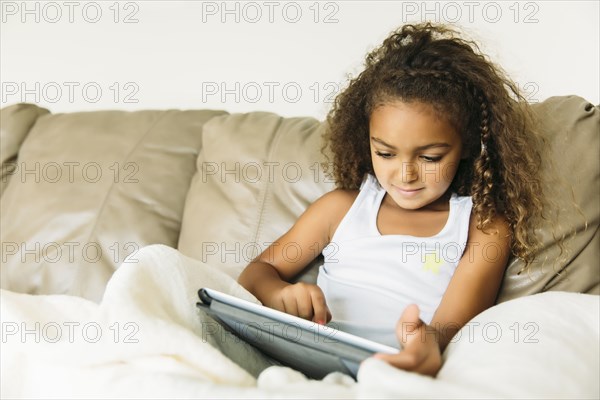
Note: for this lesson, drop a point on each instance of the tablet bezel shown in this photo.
(323, 332)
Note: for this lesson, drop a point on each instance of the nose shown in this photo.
(408, 172)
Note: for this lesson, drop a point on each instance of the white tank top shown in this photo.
(368, 278)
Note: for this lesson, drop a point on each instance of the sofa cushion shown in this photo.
(91, 188)
(15, 123)
(234, 208)
(572, 127)
(257, 173)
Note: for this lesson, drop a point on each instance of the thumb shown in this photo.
(408, 324)
(411, 314)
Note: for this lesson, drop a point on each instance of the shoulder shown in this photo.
(333, 206)
(339, 197)
(337, 201)
(499, 227)
(491, 244)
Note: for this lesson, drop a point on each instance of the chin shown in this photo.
(408, 204)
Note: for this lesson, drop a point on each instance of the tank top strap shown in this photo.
(459, 227)
(356, 222)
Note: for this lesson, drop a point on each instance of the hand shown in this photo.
(420, 349)
(303, 300)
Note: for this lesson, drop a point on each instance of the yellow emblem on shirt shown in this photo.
(433, 263)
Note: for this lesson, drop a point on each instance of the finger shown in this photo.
(407, 360)
(279, 305)
(415, 362)
(290, 304)
(409, 325)
(322, 314)
(305, 306)
(410, 314)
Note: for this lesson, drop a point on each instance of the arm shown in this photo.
(475, 284)
(472, 289)
(267, 275)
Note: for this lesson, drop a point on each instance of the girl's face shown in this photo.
(415, 154)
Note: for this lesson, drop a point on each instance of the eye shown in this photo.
(431, 159)
(383, 154)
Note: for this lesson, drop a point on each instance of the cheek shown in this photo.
(377, 161)
(378, 168)
(439, 172)
(448, 171)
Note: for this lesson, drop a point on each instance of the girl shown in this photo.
(436, 165)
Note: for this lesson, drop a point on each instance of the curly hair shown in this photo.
(431, 64)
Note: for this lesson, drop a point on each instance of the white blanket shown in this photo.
(146, 340)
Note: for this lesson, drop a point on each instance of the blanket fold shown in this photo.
(146, 339)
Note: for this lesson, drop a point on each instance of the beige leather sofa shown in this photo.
(82, 191)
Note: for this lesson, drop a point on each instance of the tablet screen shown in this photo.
(307, 346)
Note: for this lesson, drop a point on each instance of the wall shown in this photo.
(286, 57)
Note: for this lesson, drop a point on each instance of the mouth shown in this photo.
(407, 192)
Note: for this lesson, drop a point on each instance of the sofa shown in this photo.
(87, 196)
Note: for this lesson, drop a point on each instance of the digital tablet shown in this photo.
(315, 350)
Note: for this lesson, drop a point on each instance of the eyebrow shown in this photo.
(427, 146)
